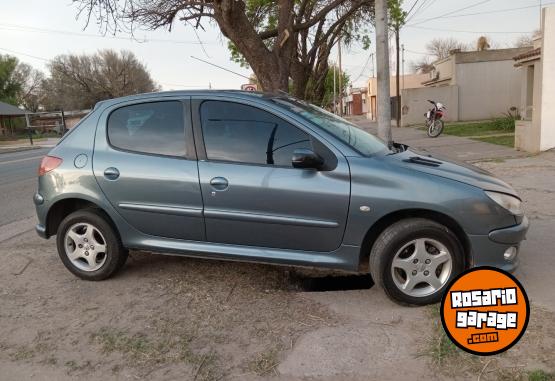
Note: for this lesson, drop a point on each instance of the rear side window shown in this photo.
(245, 134)
(154, 128)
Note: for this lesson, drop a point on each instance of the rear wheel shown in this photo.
(89, 246)
(413, 260)
(435, 128)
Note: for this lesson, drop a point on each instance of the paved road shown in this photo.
(18, 177)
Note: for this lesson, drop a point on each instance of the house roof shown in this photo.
(10, 110)
(534, 53)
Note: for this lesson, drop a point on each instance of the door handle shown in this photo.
(219, 183)
(111, 173)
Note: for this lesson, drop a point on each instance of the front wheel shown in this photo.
(435, 128)
(413, 260)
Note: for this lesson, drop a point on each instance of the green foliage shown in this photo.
(236, 55)
(397, 16)
(328, 86)
(506, 123)
(263, 14)
(10, 86)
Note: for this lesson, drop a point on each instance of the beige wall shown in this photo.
(408, 81)
(415, 103)
(548, 80)
(443, 72)
(487, 89)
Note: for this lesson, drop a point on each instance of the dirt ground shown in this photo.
(170, 318)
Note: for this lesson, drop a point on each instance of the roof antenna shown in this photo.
(220, 67)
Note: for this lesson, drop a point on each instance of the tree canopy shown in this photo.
(10, 84)
(279, 39)
(79, 81)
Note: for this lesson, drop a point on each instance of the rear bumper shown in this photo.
(41, 231)
(488, 250)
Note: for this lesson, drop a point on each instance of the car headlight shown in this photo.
(511, 203)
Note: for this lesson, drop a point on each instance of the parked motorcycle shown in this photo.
(434, 123)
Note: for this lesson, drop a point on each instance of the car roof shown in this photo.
(177, 93)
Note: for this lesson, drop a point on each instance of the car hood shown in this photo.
(448, 168)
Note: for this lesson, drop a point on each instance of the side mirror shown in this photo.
(306, 158)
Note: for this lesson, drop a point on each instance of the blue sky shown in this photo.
(38, 30)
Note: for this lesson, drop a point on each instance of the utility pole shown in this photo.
(398, 76)
(29, 130)
(334, 97)
(64, 127)
(403, 67)
(382, 63)
(340, 78)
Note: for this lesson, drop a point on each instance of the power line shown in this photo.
(481, 13)
(467, 31)
(452, 12)
(464, 8)
(429, 5)
(415, 52)
(20, 28)
(364, 67)
(24, 54)
(411, 8)
(417, 10)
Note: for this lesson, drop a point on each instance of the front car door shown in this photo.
(252, 194)
(145, 163)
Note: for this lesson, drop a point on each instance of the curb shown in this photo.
(18, 149)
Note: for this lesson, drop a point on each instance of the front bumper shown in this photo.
(488, 250)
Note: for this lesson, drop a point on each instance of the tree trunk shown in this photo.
(300, 74)
(382, 61)
(234, 24)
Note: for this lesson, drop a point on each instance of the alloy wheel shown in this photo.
(421, 267)
(85, 246)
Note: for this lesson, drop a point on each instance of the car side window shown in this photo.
(154, 128)
(240, 133)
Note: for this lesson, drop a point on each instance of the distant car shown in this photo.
(268, 178)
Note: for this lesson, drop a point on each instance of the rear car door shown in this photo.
(252, 194)
(145, 163)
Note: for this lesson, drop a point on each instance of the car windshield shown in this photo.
(363, 142)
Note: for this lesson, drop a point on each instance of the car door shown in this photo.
(252, 194)
(145, 163)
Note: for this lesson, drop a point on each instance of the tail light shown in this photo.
(49, 163)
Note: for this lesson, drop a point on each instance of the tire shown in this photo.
(396, 250)
(101, 254)
(435, 128)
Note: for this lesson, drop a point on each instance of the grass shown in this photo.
(508, 141)
(440, 347)
(265, 362)
(482, 128)
(540, 375)
(141, 350)
(449, 359)
(498, 131)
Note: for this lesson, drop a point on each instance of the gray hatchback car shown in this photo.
(268, 178)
